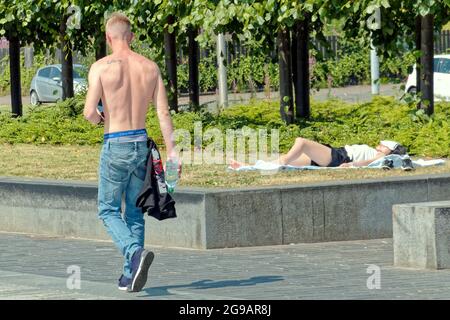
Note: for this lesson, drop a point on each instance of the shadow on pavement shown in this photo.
(211, 284)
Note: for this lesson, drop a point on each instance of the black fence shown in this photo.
(442, 42)
(332, 52)
(441, 45)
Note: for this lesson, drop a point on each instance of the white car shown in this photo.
(441, 78)
(46, 85)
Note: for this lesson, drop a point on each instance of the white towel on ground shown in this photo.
(397, 162)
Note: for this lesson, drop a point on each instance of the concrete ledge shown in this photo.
(422, 235)
(217, 218)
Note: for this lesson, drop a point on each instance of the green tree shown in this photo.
(76, 25)
(160, 21)
(81, 28)
(403, 24)
(22, 23)
(92, 26)
(264, 21)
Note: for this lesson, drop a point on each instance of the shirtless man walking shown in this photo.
(126, 83)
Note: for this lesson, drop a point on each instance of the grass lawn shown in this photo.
(81, 163)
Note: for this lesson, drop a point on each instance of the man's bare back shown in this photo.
(128, 82)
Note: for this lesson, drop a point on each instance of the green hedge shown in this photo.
(333, 122)
(253, 72)
(337, 123)
(354, 68)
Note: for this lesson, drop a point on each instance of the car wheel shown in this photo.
(412, 90)
(34, 99)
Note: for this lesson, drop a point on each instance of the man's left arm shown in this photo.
(162, 110)
(93, 96)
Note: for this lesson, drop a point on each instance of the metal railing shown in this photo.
(441, 45)
(442, 42)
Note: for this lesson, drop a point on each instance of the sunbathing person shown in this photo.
(307, 152)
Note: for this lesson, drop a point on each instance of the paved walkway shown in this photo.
(35, 267)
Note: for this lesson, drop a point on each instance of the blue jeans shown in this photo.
(121, 173)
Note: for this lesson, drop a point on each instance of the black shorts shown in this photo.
(338, 157)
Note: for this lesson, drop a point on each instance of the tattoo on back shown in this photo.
(113, 61)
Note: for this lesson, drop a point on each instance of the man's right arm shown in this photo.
(93, 96)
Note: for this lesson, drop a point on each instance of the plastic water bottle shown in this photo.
(100, 106)
(100, 109)
(171, 174)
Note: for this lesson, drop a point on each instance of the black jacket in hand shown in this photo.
(154, 198)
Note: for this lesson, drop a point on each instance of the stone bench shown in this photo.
(421, 233)
(221, 218)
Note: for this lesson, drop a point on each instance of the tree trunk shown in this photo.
(100, 47)
(194, 51)
(14, 67)
(66, 61)
(426, 84)
(171, 65)
(301, 81)
(418, 48)
(284, 61)
(294, 59)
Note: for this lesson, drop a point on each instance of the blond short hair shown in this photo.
(118, 24)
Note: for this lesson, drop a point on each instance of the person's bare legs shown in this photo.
(301, 154)
(301, 161)
(313, 150)
(235, 164)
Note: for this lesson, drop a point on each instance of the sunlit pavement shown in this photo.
(35, 267)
